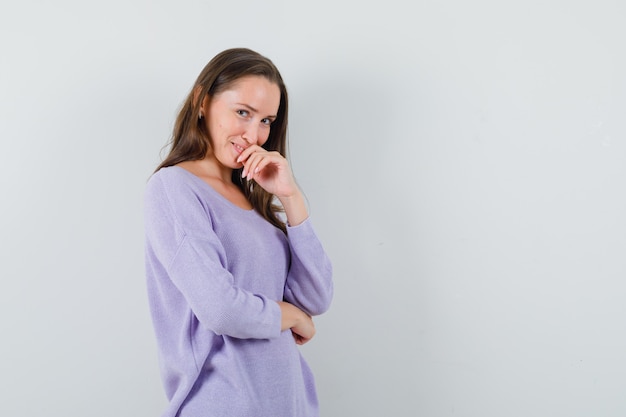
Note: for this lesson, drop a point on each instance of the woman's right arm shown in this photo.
(186, 270)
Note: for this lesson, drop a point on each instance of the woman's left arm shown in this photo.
(309, 281)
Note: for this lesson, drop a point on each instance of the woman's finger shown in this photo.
(262, 163)
(245, 155)
(258, 161)
(252, 163)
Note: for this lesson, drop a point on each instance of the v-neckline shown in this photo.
(213, 190)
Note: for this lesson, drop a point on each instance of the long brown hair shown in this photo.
(190, 139)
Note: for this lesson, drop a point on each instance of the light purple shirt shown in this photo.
(214, 272)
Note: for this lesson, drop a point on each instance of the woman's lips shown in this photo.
(238, 148)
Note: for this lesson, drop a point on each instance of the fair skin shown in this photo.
(238, 121)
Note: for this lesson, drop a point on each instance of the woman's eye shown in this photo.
(243, 113)
(266, 121)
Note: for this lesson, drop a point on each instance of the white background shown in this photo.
(465, 164)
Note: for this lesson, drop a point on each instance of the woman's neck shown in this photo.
(209, 169)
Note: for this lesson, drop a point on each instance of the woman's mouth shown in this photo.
(238, 148)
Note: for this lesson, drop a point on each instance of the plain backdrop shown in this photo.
(465, 166)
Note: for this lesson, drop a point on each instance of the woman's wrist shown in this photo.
(295, 208)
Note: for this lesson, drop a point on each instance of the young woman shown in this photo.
(232, 287)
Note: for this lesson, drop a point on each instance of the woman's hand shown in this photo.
(272, 172)
(269, 169)
(300, 323)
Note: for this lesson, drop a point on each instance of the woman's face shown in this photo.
(239, 117)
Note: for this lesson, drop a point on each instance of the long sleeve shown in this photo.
(181, 238)
(309, 283)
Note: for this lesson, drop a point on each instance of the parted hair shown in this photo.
(190, 139)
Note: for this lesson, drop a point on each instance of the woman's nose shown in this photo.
(251, 134)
